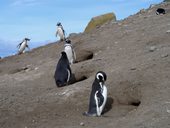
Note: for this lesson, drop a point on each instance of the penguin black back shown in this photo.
(160, 11)
(63, 71)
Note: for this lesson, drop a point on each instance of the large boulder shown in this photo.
(99, 20)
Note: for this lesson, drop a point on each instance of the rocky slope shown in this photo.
(134, 53)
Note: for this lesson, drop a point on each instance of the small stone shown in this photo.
(152, 5)
(142, 11)
(133, 68)
(152, 49)
(165, 55)
(82, 124)
(168, 31)
(36, 68)
(168, 111)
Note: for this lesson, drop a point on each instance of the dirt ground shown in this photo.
(134, 53)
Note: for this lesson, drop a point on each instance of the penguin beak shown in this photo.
(27, 39)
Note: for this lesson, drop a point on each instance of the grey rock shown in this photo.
(152, 48)
(82, 124)
(168, 31)
(164, 55)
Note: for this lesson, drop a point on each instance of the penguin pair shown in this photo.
(98, 96)
(63, 71)
(60, 31)
(68, 48)
(21, 46)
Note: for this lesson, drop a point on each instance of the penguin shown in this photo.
(63, 71)
(160, 11)
(21, 46)
(98, 96)
(68, 48)
(60, 31)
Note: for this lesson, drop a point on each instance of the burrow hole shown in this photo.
(84, 55)
(135, 103)
(77, 79)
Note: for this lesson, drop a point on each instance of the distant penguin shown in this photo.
(160, 11)
(60, 31)
(68, 48)
(98, 95)
(23, 45)
(63, 71)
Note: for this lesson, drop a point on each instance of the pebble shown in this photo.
(152, 49)
(168, 111)
(165, 55)
(82, 124)
(133, 68)
(168, 31)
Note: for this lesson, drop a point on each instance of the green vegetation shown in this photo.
(99, 20)
(166, 0)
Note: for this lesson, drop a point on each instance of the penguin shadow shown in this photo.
(108, 105)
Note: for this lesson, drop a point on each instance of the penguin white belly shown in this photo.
(61, 33)
(100, 108)
(22, 47)
(69, 53)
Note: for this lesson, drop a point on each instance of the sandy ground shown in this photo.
(134, 53)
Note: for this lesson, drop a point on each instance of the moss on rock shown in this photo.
(99, 20)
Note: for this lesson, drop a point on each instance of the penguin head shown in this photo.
(27, 39)
(58, 24)
(63, 54)
(68, 41)
(101, 76)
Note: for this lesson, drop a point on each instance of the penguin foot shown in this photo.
(89, 114)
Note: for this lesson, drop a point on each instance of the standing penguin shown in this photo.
(23, 45)
(68, 48)
(98, 95)
(63, 71)
(60, 31)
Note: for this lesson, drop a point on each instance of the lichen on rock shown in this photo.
(99, 20)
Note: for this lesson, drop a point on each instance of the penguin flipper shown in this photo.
(28, 46)
(56, 34)
(19, 45)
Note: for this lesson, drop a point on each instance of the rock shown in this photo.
(99, 20)
(82, 124)
(168, 31)
(133, 68)
(152, 5)
(142, 11)
(73, 34)
(164, 55)
(152, 48)
(166, 0)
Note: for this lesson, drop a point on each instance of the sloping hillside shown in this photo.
(134, 53)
